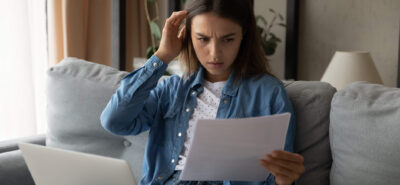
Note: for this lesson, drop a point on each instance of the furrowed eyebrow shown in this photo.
(201, 35)
(225, 36)
(228, 35)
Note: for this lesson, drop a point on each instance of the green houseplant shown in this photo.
(154, 27)
(269, 40)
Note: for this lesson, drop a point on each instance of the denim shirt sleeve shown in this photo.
(133, 106)
(282, 104)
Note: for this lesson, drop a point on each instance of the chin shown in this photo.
(215, 72)
(218, 73)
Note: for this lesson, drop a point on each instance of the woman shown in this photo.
(227, 76)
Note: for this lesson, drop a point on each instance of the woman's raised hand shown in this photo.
(172, 37)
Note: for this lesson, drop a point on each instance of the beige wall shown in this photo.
(327, 26)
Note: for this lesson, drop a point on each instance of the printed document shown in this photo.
(230, 149)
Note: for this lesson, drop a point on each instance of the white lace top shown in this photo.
(206, 108)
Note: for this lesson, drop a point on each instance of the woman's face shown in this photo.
(216, 42)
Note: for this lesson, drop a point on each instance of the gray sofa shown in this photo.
(347, 137)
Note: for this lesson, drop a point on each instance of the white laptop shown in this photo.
(50, 166)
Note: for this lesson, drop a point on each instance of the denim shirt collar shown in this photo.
(230, 88)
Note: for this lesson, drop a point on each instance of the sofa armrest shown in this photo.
(12, 145)
(13, 169)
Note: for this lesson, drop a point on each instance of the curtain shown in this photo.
(79, 28)
(137, 31)
(23, 63)
(32, 41)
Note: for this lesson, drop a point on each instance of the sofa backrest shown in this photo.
(311, 101)
(78, 91)
(365, 135)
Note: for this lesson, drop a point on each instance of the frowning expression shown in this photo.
(216, 41)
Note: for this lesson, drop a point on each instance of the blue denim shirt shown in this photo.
(164, 108)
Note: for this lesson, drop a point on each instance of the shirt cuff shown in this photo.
(155, 64)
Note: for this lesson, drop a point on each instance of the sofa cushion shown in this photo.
(311, 101)
(77, 92)
(365, 135)
(13, 170)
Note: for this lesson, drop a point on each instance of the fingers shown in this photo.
(282, 180)
(171, 38)
(176, 18)
(284, 155)
(171, 27)
(285, 166)
(275, 168)
(282, 175)
(182, 33)
(180, 16)
(293, 167)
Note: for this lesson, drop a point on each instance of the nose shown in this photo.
(215, 49)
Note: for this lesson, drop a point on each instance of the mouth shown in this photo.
(215, 64)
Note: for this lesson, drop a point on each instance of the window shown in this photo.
(23, 59)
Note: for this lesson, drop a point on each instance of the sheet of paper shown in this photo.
(230, 149)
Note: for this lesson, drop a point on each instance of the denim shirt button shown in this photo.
(187, 109)
(159, 177)
(179, 134)
(173, 160)
(194, 93)
(155, 64)
(226, 101)
(127, 143)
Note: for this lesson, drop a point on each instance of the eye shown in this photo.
(202, 39)
(228, 40)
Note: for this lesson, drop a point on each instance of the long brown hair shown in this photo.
(251, 60)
